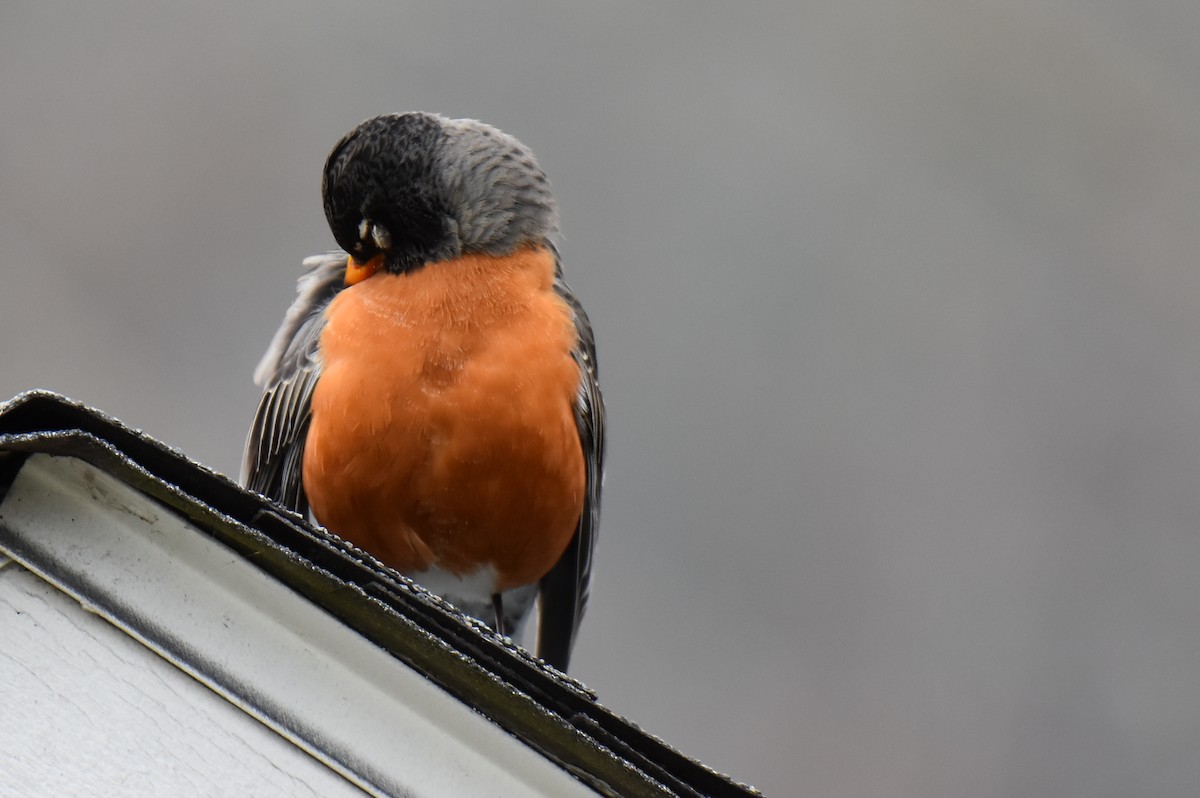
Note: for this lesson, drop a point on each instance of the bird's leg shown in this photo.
(498, 606)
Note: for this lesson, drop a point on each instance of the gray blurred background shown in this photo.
(897, 306)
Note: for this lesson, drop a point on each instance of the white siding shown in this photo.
(261, 646)
(86, 710)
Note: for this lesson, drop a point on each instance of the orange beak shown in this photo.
(356, 271)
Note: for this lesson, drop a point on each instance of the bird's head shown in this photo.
(404, 190)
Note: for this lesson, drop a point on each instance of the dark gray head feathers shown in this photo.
(419, 188)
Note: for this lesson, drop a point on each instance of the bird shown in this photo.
(432, 395)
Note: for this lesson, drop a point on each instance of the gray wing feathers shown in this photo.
(296, 340)
(563, 593)
(288, 372)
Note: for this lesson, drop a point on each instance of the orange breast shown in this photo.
(442, 429)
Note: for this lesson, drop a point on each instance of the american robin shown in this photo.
(431, 396)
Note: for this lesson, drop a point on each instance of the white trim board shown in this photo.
(87, 710)
(259, 644)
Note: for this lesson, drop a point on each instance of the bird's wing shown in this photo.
(563, 592)
(288, 372)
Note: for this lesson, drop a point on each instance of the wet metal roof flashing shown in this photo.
(367, 672)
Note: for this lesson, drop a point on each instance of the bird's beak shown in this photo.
(356, 271)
